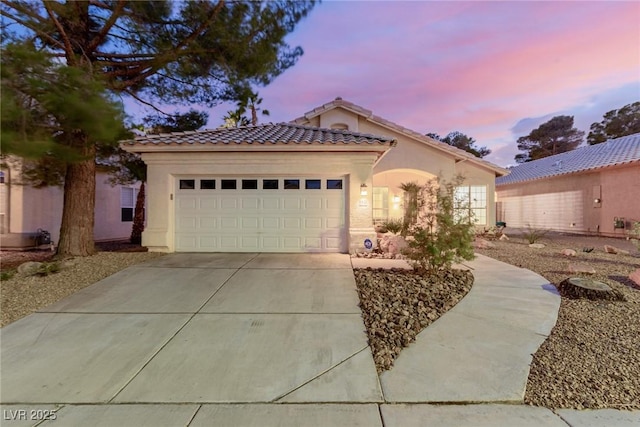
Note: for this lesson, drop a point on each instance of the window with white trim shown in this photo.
(380, 203)
(473, 199)
(128, 198)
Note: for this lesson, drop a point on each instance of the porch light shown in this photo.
(363, 189)
(597, 201)
(396, 199)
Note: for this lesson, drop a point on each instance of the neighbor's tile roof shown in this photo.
(368, 114)
(282, 133)
(611, 153)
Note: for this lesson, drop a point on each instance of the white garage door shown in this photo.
(265, 214)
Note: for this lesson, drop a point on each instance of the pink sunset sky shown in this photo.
(493, 70)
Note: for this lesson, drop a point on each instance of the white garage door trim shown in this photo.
(260, 214)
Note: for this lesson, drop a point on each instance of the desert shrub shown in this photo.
(6, 275)
(443, 232)
(394, 226)
(532, 235)
(634, 234)
(48, 268)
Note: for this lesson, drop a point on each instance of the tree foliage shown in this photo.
(443, 232)
(128, 168)
(553, 137)
(615, 124)
(460, 140)
(191, 52)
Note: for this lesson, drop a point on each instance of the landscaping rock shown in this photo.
(581, 268)
(392, 244)
(635, 277)
(568, 252)
(537, 245)
(483, 244)
(29, 268)
(577, 287)
(613, 250)
(398, 304)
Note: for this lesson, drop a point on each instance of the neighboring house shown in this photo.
(581, 191)
(313, 185)
(25, 209)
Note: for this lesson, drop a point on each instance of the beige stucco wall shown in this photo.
(412, 160)
(28, 208)
(165, 168)
(566, 203)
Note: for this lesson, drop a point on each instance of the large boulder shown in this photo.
(635, 277)
(537, 245)
(483, 244)
(392, 244)
(613, 250)
(29, 268)
(568, 252)
(581, 268)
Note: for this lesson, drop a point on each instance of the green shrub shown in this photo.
(394, 226)
(634, 234)
(48, 268)
(444, 230)
(532, 235)
(6, 275)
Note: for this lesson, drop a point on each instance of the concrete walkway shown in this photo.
(265, 339)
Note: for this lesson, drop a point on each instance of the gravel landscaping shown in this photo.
(592, 357)
(22, 295)
(398, 304)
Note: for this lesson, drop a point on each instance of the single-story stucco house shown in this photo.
(315, 184)
(593, 189)
(25, 209)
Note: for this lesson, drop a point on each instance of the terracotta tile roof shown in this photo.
(267, 134)
(368, 114)
(614, 152)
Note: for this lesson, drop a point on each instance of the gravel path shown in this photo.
(592, 357)
(21, 295)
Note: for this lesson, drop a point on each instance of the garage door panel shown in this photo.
(292, 203)
(187, 223)
(270, 224)
(271, 203)
(208, 242)
(208, 203)
(250, 223)
(291, 223)
(229, 223)
(271, 220)
(228, 203)
(228, 242)
(313, 203)
(208, 223)
(187, 203)
(313, 223)
(292, 243)
(250, 202)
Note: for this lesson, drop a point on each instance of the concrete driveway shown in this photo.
(198, 328)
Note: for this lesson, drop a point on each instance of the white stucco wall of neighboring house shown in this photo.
(166, 168)
(27, 209)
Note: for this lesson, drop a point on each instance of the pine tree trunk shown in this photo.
(138, 217)
(78, 212)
